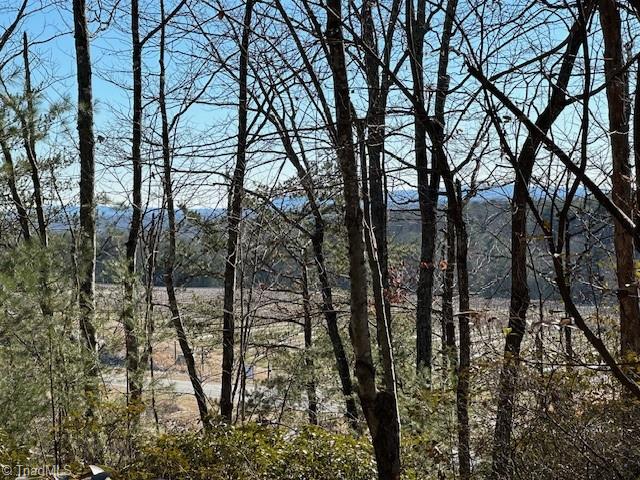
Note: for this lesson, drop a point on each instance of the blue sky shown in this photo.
(110, 50)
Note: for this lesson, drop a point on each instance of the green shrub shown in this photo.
(255, 452)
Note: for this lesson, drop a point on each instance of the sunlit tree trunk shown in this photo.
(617, 99)
(87, 235)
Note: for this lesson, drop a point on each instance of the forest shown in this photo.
(320, 239)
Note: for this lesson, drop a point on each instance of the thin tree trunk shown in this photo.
(23, 216)
(374, 196)
(234, 215)
(381, 304)
(146, 357)
(87, 236)
(519, 303)
(379, 408)
(134, 380)
(636, 140)
(456, 205)
(28, 137)
(176, 317)
(373, 185)
(331, 319)
(28, 128)
(568, 343)
(462, 390)
(312, 396)
(621, 177)
(449, 348)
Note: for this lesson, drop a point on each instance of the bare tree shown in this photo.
(176, 316)
(134, 382)
(379, 407)
(428, 185)
(234, 215)
(374, 190)
(87, 236)
(519, 303)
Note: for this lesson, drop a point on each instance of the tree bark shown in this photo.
(379, 407)
(428, 184)
(87, 237)
(234, 215)
(617, 100)
(132, 360)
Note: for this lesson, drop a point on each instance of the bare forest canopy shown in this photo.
(288, 239)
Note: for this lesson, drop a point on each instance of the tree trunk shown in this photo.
(146, 357)
(462, 390)
(132, 360)
(234, 215)
(617, 99)
(379, 407)
(449, 348)
(374, 190)
(176, 317)
(519, 303)
(23, 216)
(568, 342)
(29, 140)
(636, 140)
(456, 214)
(331, 319)
(312, 396)
(428, 184)
(87, 237)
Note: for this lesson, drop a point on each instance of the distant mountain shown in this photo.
(408, 198)
(402, 199)
(108, 216)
